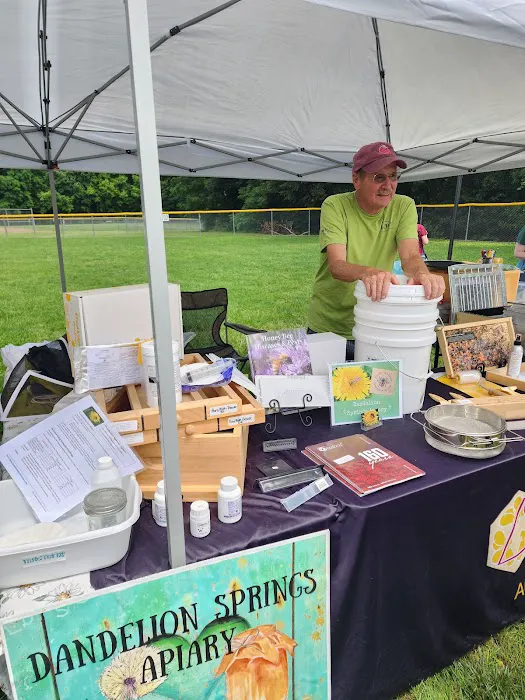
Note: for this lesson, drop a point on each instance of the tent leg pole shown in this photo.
(147, 151)
(57, 229)
(459, 182)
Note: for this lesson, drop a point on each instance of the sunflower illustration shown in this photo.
(370, 417)
(350, 383)
(93, 416)
(122, 679)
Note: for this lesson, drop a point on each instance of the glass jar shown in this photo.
(105, 507)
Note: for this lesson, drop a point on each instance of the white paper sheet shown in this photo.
(52, 462)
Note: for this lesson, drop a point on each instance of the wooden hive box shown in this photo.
(212, 426)
(204, 459)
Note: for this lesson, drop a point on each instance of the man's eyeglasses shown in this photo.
(380, 179)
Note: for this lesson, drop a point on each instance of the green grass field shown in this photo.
(269, 280)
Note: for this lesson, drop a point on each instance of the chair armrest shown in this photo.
(245, 330)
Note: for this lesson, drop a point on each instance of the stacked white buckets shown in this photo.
(399, 327)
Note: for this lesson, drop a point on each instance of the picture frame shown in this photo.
(464, 346)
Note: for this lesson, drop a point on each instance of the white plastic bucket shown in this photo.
(149, 372)
(400, 327)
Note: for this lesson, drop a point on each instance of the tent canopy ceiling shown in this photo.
(273, 89)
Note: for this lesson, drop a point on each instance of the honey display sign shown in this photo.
(246, 626)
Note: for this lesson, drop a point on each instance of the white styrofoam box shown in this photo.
(79, 552)
(325, 349)
(116, 315)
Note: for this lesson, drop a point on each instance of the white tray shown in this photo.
(79, 552)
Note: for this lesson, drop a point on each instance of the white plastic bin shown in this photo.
(77, 553)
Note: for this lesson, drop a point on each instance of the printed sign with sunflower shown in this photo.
(357, 387)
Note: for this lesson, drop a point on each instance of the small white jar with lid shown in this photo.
(200, 522)
(106, 474)
(158, 505)
(229, 500)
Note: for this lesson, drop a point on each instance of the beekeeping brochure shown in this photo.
(51, 463)
(358, 387)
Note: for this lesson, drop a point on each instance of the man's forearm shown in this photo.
(414, 266)
(347, 272)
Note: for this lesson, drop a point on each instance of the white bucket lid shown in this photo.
(399, 292)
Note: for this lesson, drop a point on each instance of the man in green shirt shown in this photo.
(360, 234)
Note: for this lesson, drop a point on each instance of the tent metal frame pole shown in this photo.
(459, 182)
(145, 125)
(381, 69)
(57, 229)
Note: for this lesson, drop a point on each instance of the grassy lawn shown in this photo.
(269, 280)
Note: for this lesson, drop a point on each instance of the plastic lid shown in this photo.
(148, 347)
(105, 501)
(229, 483)
(160, 487)
(104, 463)
(518, 339)
(199, 509)
(400, 291)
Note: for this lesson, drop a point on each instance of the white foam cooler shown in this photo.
(399, 327)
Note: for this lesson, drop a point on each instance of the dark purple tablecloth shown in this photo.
(410, 587)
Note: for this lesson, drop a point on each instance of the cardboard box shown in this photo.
(116, 315)
(325, 349)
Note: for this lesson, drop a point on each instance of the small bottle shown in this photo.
(515, 359)
(158, 505)
(230, 500)
(106, 475)
(200, 525)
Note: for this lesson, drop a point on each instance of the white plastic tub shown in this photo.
(79, 552)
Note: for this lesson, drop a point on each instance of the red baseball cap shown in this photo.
(375, 156)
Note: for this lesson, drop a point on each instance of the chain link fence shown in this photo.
(484, 222)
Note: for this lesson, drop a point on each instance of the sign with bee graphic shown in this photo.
(359, 388)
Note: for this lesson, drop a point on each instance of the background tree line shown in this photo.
(102, 192)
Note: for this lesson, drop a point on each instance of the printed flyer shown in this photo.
(358, 387)
(251, 625)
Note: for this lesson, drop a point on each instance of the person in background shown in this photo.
(519, 249)
(422, 238)
(360, 234)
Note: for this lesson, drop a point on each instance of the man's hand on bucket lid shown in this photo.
(377, 282)
(434, 285)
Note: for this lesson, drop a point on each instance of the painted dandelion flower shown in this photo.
(350, 383)
(122, 679)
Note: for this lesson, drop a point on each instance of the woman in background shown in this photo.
(422, 237)
(519, 249)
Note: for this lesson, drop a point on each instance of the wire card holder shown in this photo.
(274, 407)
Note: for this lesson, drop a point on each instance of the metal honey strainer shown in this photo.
(466, 430)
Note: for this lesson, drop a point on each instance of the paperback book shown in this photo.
(283, 353)
(362, 464)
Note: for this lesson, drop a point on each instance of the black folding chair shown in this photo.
(205, 313)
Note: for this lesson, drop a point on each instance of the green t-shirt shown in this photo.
(370, 239)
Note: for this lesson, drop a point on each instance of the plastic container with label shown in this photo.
(77, 552)
(229, 500)
(149, 372)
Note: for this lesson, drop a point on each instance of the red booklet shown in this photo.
(362, 464)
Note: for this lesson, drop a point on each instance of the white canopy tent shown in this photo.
(280, 89)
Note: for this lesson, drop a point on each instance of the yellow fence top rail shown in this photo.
(138, 214)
